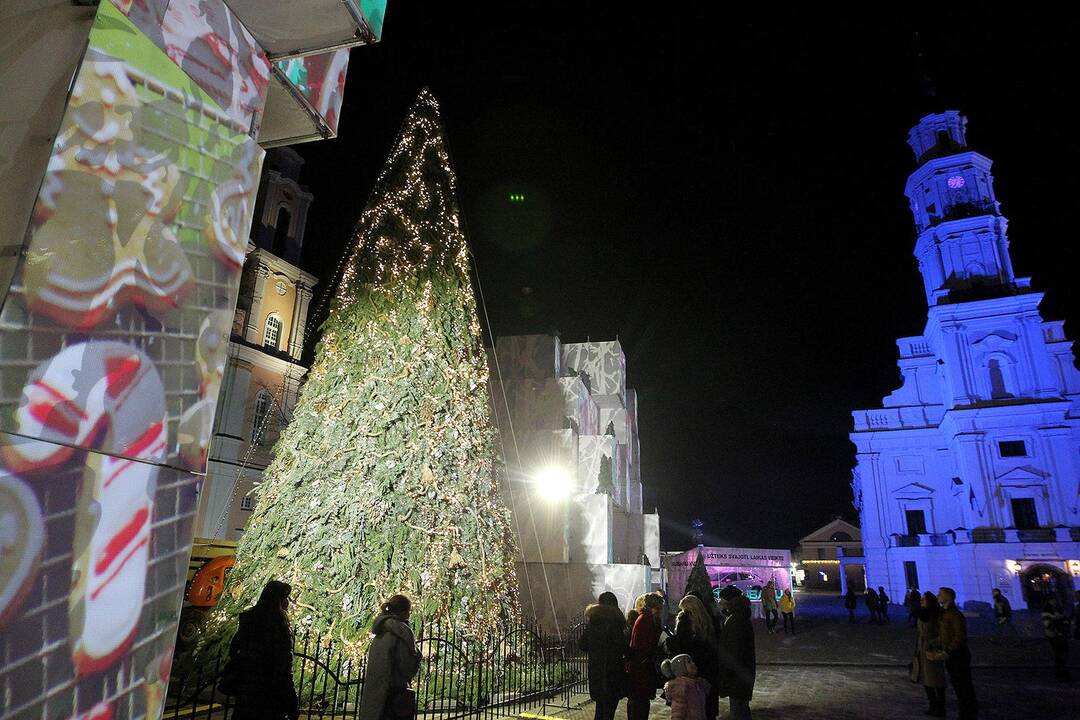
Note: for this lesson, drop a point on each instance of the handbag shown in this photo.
(402, 702)
(915, 668)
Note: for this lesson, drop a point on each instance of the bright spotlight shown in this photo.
(552, 483)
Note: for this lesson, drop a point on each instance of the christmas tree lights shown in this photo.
(385, 479)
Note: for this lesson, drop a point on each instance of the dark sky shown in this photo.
(724, 195)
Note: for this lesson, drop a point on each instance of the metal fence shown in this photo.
(523, 669)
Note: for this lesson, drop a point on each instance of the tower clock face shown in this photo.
(956, 181)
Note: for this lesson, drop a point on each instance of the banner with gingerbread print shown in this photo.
(113, 341)
(138, 235)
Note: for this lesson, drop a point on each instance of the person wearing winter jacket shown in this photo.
(787, 607)
(956, 654)
(851, 602)
(1056, 629)
(641, 661)
(768, 604)
(392, 663)
(262, 650)
(685, 691)
(872, 604)
(738, 659)
(604, 640)
(696, 637)
(883, 605)
(929, 652)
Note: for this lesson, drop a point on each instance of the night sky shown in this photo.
(725, 196)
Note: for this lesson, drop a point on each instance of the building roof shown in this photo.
(825, 532)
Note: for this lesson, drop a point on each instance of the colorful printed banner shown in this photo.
(321, 80)
(113, 343)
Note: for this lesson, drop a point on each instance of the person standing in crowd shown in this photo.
(641, 662)
(913, 602)
(392, 663)
(261, 651)
(1056, 628)
(632, 615)
(696, 637)
(929, 654)
(872, 602)
(604, 640)
(956, 654)
(685, 691)
(768, 604)
(851, 601)
(1002, 615)
(787, 606)
(738, 660)
(883, 605)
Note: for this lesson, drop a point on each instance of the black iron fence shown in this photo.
(525, 668)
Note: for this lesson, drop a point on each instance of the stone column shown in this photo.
(299, 323)
(253, 331)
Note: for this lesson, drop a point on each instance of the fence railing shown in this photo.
(458, 678)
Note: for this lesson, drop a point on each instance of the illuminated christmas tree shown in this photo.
(385, 479)
(698, 583)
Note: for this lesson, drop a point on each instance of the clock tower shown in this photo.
(962, 247)
(968, 475)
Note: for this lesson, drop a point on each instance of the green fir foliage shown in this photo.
(384, 481)
(698, 583)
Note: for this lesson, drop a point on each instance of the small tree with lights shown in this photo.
(698, 583)
(385, 479)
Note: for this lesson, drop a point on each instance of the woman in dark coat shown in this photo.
(872, 604)
(641, 661)
(262, 647)
(850, 602)
(696, 637)
(737, 656)
(605, 641)
(931, 670)
(392, 661)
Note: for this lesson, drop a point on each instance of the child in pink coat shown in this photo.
(685, 691)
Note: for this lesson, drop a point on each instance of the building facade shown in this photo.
(830, 558)
(263, 371)
(568, 427)
(967, 476)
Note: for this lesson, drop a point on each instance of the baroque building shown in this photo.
(264, 370)
(569, 432)
(967, 476)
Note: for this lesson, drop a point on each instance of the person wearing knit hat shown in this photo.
(684, 691)
(738, 659)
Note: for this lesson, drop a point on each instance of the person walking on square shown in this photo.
(851, 601)
(883, 605)
(1002, 615)
(392, 663)
(738, 659)
(872, 604)
(787, 606)
(685, 691)
(768, 604)
(1056, 628)
(641, 661)
(913, 602)
(604, 641)
(956, 654)
(929, 654)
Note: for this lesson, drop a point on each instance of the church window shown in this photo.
(246, 503)
(1025, 516)
(1013, 448)
(916, 522)
(262, 408)
(272, 335)
(999, 373)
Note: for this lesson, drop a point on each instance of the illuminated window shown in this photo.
(273, 332)
(246, 503)
(1012, 448)
(262, 409)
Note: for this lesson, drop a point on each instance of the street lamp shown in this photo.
(553, 483)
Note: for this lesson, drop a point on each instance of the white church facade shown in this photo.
(969, 473)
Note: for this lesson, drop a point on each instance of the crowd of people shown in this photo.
(708, 655)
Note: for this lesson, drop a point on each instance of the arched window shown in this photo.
(263, 403)
(272, 335)
(840, 536)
